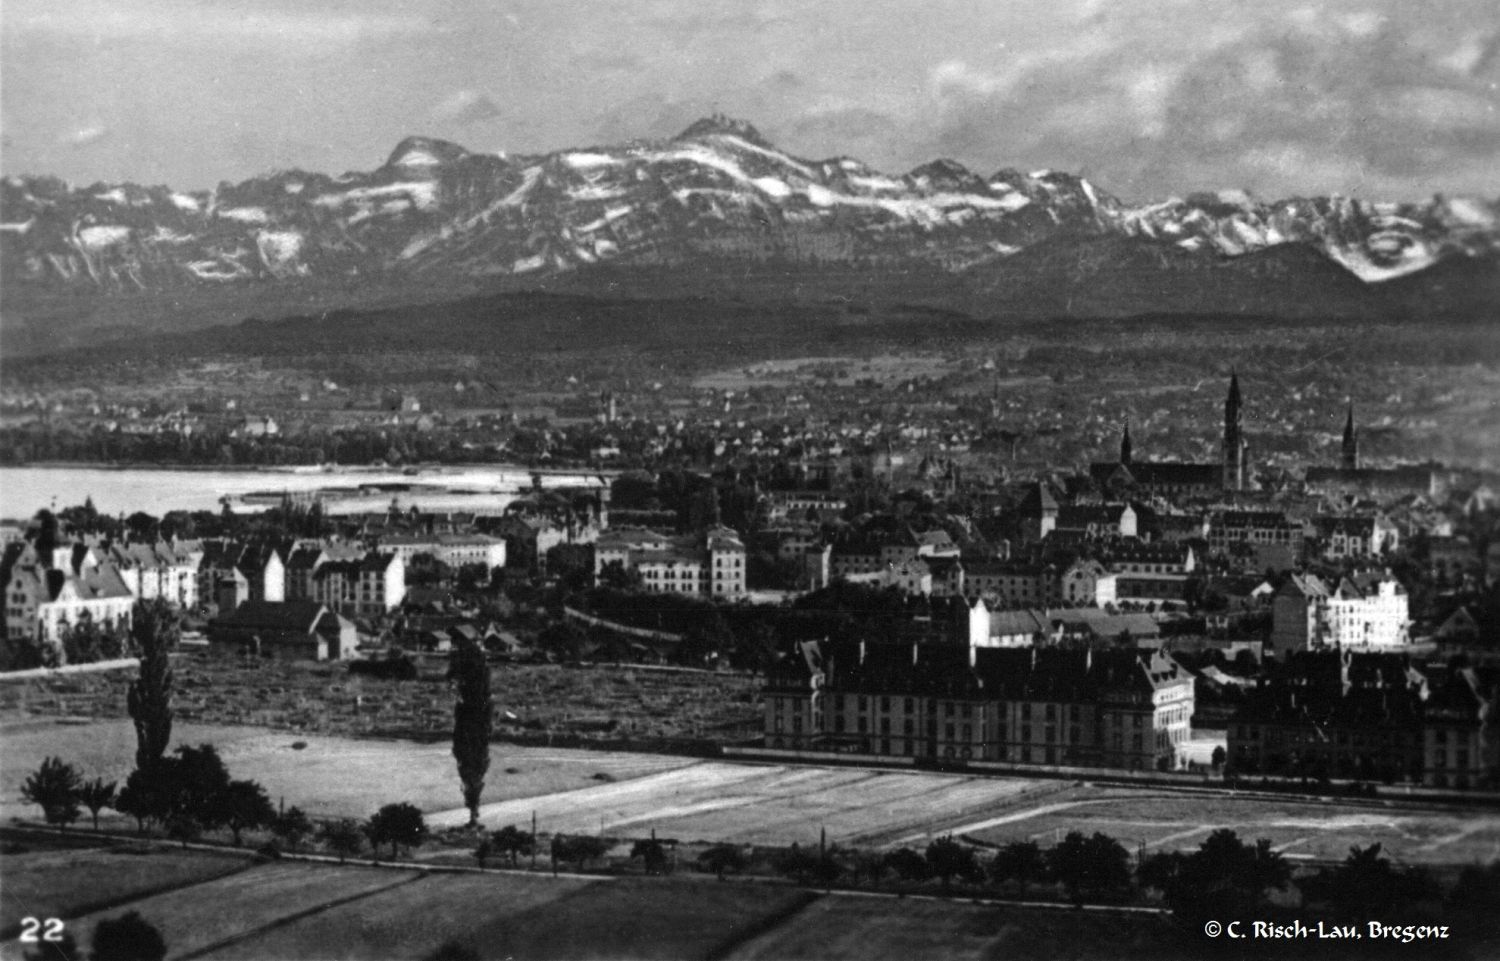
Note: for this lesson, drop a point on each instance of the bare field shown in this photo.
(764, 804)
(1301, 829)
(191, 919)
(409, 920)
(330, 776)
(845, 928)
(62, 882)
(629, 795)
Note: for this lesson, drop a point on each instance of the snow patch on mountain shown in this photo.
(245, 215)
(770, 185)
(101, 236)
(585, 160)
(187, 203)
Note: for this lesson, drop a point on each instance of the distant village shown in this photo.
(1330, 621)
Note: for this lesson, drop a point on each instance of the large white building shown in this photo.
(40, 602)
(1362, 611)
(712, 565)
(455, 550)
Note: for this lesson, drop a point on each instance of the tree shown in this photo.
(1160, 871)
(1096, 865)
(1225, 878)
(83, 642)
(512, 841)
(908, 865)
(579, 849)
(154, 628)
(244, 805)
(145, 796)
(1021, 862)
(54, 787)
(473, 721)
(947, 858)
(96, 795)
(197, 783)
(483, 851)
(399, 825)
(721, 859)
(292, 826)
(1218, 757)
(653, 855)
(128, 938)
(184, 826)
(343, 837)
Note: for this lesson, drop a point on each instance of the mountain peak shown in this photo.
(419, 152)
(721, 124)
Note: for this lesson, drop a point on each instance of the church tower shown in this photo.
(1351, 442)
(1125, 450)
(1234, 438)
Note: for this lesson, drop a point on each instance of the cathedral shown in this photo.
(1178, 479)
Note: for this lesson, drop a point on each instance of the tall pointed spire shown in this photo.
(1234, 440)
(1125, 446)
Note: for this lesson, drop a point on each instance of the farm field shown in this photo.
(764, 804)
(191, 919)
(1302, 830)
(330, 776)
(411, 920)
(850, 928)
(64, 882)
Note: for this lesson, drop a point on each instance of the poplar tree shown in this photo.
(154, 629)
(473, 721)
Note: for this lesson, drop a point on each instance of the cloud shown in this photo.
(217, 24)
(85, 136)
(465, 107)
(1331, 100)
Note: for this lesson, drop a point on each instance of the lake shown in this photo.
(483, 488)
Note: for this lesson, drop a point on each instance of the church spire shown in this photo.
(1125, 447)
(1351, 441)
(1234, 440)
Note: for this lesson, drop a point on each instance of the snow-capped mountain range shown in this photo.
(717, 191)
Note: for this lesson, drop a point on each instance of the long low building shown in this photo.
(287, 630)
(1129, 709)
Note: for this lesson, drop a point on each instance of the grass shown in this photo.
(65, 882)
(329, 776)
(639, 920)
(193, 918)
(412, 920)
(1302, 829)
(840, 928)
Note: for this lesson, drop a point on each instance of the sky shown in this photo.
(1381, 99)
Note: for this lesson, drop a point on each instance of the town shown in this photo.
(1146, 614)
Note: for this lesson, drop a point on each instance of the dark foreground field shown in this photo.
(325, 911)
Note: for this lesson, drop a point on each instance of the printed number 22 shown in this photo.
(47, 929)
